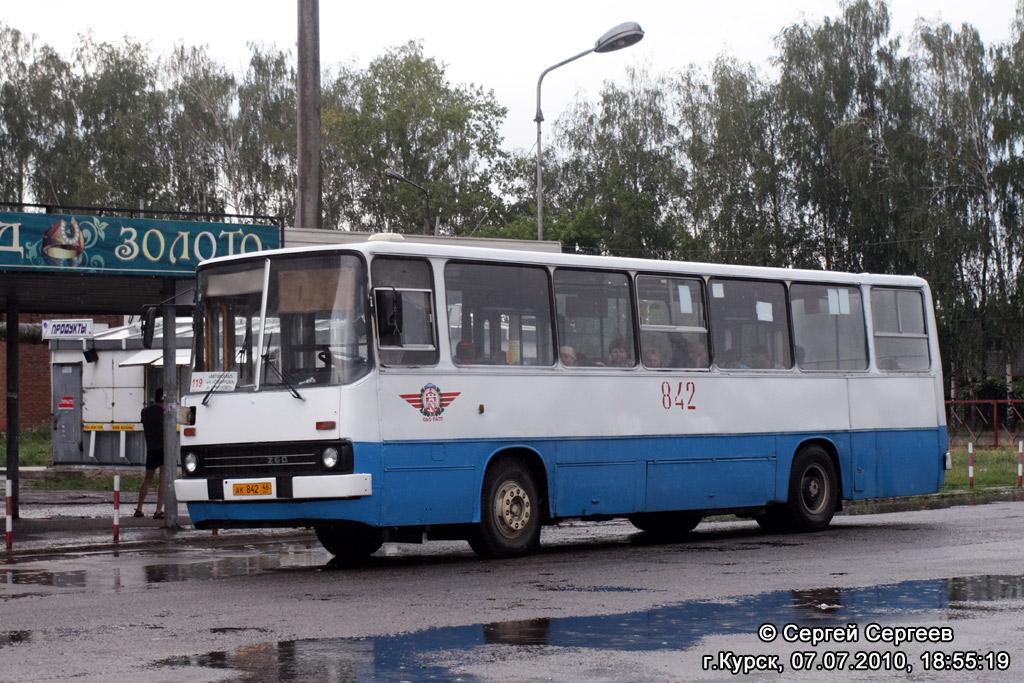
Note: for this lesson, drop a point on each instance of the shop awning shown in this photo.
(156, 357)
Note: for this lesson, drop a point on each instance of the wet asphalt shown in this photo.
(63, 521)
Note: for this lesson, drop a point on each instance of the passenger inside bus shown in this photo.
(618, 357)
(465, 352)
(698, 355)
(761, 360)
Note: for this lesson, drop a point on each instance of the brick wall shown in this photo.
(35, 404)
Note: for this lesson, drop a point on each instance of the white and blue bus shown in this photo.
(396, 391)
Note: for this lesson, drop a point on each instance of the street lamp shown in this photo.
(617, 38)
(395, 175)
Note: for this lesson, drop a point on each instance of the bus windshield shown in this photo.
(281, 323)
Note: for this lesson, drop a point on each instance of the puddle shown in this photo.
(30, 577)
(674, 627)
(14, 637)
(246, 565)
(148, 570)
(593, 589)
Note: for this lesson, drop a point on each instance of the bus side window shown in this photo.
(673, 328)
(595, 318)
(901, 340)
(828, 327)
(403, 296)
(749, 323)
(498, 314)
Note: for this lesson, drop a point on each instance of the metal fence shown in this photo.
(988, 423)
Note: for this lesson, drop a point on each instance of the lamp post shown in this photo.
(616, 38)
(395, 175)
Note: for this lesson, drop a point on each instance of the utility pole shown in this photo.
(308, 201)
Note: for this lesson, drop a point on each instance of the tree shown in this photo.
(402, 113)
(832, 90)
(200, 143)
(16, 144)
(263, 175)
(975, 189)
(740, 198)
(121, 113)
(619, 176)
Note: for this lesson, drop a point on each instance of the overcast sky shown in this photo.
(503, 46)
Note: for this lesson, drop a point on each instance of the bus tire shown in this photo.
(510, 511)
(349, 543)
(666, 524)
(813, 490)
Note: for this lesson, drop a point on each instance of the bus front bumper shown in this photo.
(273, 488)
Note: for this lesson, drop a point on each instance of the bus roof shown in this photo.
(394, 245)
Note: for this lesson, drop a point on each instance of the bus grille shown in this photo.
(249, 460)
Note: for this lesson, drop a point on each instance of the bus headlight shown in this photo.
(190, 462)
(329, 457)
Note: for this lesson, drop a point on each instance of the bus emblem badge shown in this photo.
(431, 401)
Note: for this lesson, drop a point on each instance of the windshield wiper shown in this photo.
(282, 376)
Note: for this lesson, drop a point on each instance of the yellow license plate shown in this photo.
(256, 488)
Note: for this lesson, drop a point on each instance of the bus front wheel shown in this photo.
(510, 512)
(349, 543)
(813, 490)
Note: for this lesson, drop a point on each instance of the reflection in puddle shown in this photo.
(242, 565)
(30, 577)
(14, 637)
(594, 589)
(164, 570)
(673, 627)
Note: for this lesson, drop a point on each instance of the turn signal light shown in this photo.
(326, 424)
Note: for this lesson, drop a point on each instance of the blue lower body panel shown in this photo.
(431, 483)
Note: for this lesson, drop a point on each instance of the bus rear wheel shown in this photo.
(349, 543)
(666, 524)
(510, 511)
(813, 490)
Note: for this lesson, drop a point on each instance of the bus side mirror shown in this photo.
(389, 317)
(148, 323)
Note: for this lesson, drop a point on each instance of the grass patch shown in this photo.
(33, 447)
(992, 467)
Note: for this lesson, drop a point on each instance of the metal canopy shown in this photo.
(60, 293)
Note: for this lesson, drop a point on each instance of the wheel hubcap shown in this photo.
(815, 489)
(512, 508)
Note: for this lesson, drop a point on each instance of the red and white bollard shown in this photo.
(1020, 464)
(117, 508)
(970, 464)
(10, 514)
